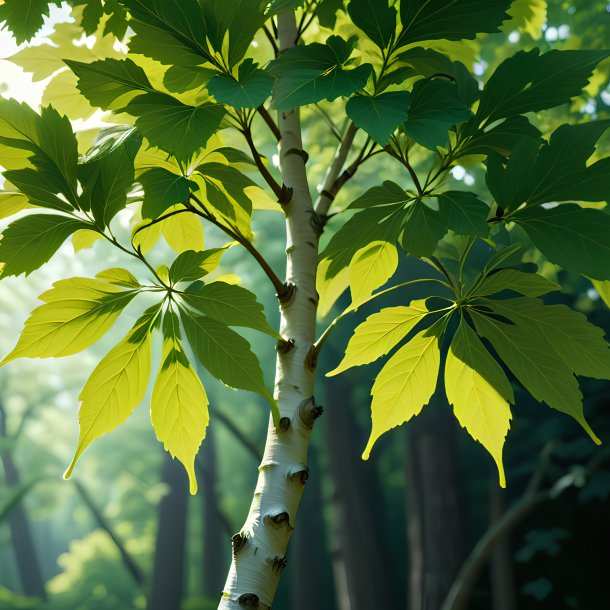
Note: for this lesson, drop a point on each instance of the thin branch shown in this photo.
(270, 122)
(406, 164)
(271, 39)
(262, 168)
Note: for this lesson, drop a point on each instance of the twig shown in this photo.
(270, 122)
(266, 174)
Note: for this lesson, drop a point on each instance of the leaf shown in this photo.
(182, 232)
(453, 20)
(380, 333)
(423, 229)
(528, 284)
(119, 277)
(274, 7)
(226, 355)
(29, 242)
(370, 268)
(386, 194)
(192, 265)
(404, 385)
(62, 92)
(464, 213)
(375, 18)
(249, 90)
(176, 128)
(24, 17)
(77, 312)
(106, 83)
(577, 239)
(379, 115)
(180, 79)
(116, 386)
(232, 305)
(528, 16)
(543, 374)
(12, 202)
(307, 74)
(479, 391)
(603, 289)
(530, 82)
(435, 108)
(162, 190)
(179, 404)
(329, 289)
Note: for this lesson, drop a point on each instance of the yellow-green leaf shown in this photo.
(404, 385)
(379, 333)
(179, 407)
(370, 268)
(603, 289)
(116, 386)
(182, 232)
(12, 202)
(479, 391)
(330, 289)
(76, 313)
(83, 239)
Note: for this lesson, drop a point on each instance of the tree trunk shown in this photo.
(360, 563)
(168, 572)
(259, 549)
(434, 505)
(28, 566)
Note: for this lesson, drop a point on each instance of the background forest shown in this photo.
(423, 515)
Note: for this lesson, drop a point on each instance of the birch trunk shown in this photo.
(259, 549)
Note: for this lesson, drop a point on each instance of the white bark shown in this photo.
(259, 550)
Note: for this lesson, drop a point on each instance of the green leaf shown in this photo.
(527, 284)
(249, 90)
(380, 333)
(386, 194)
(375, 18)
(179, 404)
(176, 128)
(603, 289)
(117, 385)
(180, 79)
(274, 7)
(162, 190)
(370, 268)
(39, 188)
(25, 17)
(464, 213)
(435, 108)
(528, 16)
(226, 355)
(76, 313)
(12, 202)
(543, 374)
(29, 242)
(575, 238)
(404, 385)
(307, 74)
(479, 391)
(119, 277)
(423, 229)
(232, 305)
(192, 265)
(379, 115)
(453, 20)
(529, 82)
(107, 81)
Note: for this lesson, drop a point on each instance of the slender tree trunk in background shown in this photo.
(214, 536)
(168, 572)
(28, 565)
(502, 576)
(360, 563)
(434, 505)
(259, 549)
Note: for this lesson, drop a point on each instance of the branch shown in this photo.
(409, 167)
(269, 179)
(270, 122)
(271, 39)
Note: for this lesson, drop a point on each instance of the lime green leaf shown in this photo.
(249, 90)
(424, 228)
(229, 304)
(603, 289)
(29, 242)
(163, 189)
(116, 386)
(379, 115)
(464, 213)
(528, 284)
(182, 232)
(119, 277)
(370, 268)
(76, 313)
(105, 81)
(529, 82)
(329, 289)
(528, 16)
(226, 355)
(320, 73)
(388, 193)
(24, 17)
(404, 385)
(570, 236)
(435, 108)
(176, 128)
(84, 239)
(12, 202)
(192, 265)
(179, 404)
(379, 333)
(543, 374)
(479, 391)
(375, 18)
(457, 20)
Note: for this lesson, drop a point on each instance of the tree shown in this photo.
(196, 76)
